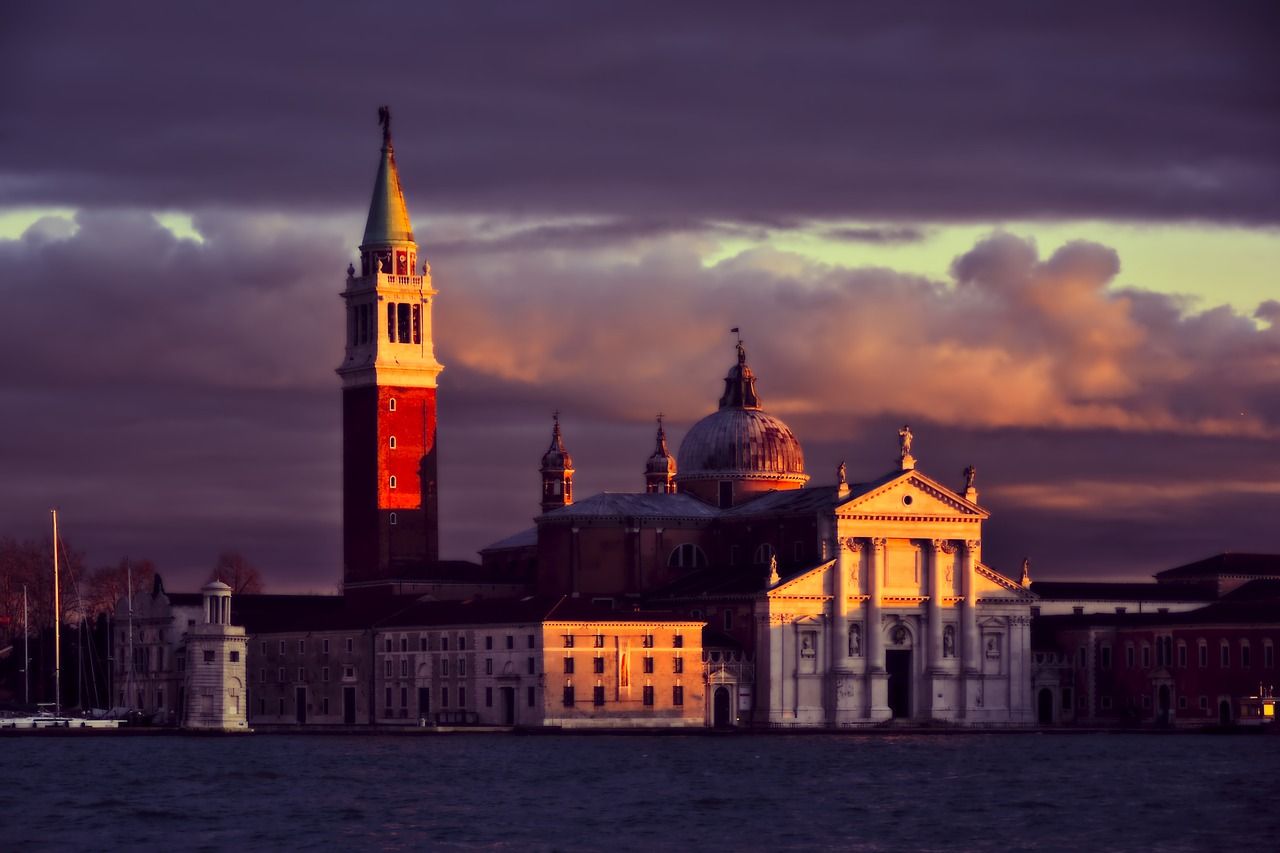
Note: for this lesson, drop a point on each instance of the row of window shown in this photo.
(597, 641)
(424, 644)
(568, 697)
(424, 698)
(349, 646)
(1164, 654)
(689, 556)
(348, 674)
(598, 664)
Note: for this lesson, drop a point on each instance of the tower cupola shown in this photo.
(660, 470)
(557, 471)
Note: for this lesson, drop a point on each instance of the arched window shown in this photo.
(392, 482)
(392, 519)
(764, 553)
(687, 556)
(393, 442)
(391, 404)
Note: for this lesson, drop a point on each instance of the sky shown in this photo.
(1045, 235)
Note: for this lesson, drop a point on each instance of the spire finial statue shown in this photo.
(1026, 572)
(970, 474)
(384, 119)
(904, 448)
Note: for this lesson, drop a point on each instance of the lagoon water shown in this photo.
(554, 792)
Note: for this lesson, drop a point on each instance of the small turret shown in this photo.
(660, 470)
(557, 471)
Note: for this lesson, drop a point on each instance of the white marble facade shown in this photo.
(905, 621)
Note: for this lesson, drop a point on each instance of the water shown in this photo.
(797, 792)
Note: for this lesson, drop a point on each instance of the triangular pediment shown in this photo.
(806, 584)
(991, 584)
(910, 495)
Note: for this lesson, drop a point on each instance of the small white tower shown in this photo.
(215, 683)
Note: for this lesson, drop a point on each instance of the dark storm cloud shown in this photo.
(731, 112)
(176, 397)
(901, 234)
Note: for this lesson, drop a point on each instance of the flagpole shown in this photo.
(57, 617)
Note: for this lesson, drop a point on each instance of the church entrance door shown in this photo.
(1224, 712)
(349, 705)
(424, 703)
(508, 706)
(721, 716)
(300, 701)
(898, 664)
(1045, 702)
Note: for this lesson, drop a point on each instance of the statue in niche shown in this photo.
(904, 440)
(855, 640)
(993, 647)
(970, 475)
(899, 635)
(807, 649)
(949, 641)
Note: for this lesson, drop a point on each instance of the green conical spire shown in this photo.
(388, 217)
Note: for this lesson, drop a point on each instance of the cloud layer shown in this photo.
(177, 397)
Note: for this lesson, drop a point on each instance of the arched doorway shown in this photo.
(1224, 712)
(1045, 703)
(721, 708)
(898, 664)
(1164, 701)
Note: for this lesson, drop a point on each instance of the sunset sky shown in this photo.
(1043, 234)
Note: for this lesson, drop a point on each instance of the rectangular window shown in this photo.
(324, 705)
(599, 641)
(462, 642)
(1204, 703)
(529, 641)
(1268, 655)
(597, 695)
(302, 647)
(568, 665)
(262, 645)
(324, 673)
(568, 641)
(598, 665)
(422, 644)
(529, 696)
(1204, 655)
(462, 697)
(404, 667)
(404, 697)
(324, 646)
(1182, 654)
(417, 324)
(444, 644)
(391, 322)
(678, 663)
(488, 643)
(488, 666)
(648, 694)
(532, 666)
(511, 641)
(677, 641)
(1105, 655)
(1146, 656)
(302, 674)
(350, 645)
(677, 695)
(388, 702)
(728, 620)
(567, 696)
(444, 697)
(386, 644)
(462, 667)
(1224, 656)
(280, 707)
(444, 666)
(404, 644)
(648, 641)
(1244, 655)
(1128, 656)
(280, 675)
(282, 647)
(488, 697)
(262, 676)
(386, 668)
(648, 664)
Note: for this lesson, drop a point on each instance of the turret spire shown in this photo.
(557, 471)
(660, 470)
(388, 215)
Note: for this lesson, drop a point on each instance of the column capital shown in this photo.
(973, 544)
(946, 546)
(853, 543)
(878, 542)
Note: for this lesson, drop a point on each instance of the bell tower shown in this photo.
(390, 517)
(557, 472)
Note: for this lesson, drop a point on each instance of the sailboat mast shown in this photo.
(128, 672)
(57, 617)
(26, 651)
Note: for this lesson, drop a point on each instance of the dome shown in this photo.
(736, 443)
(741, 441)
